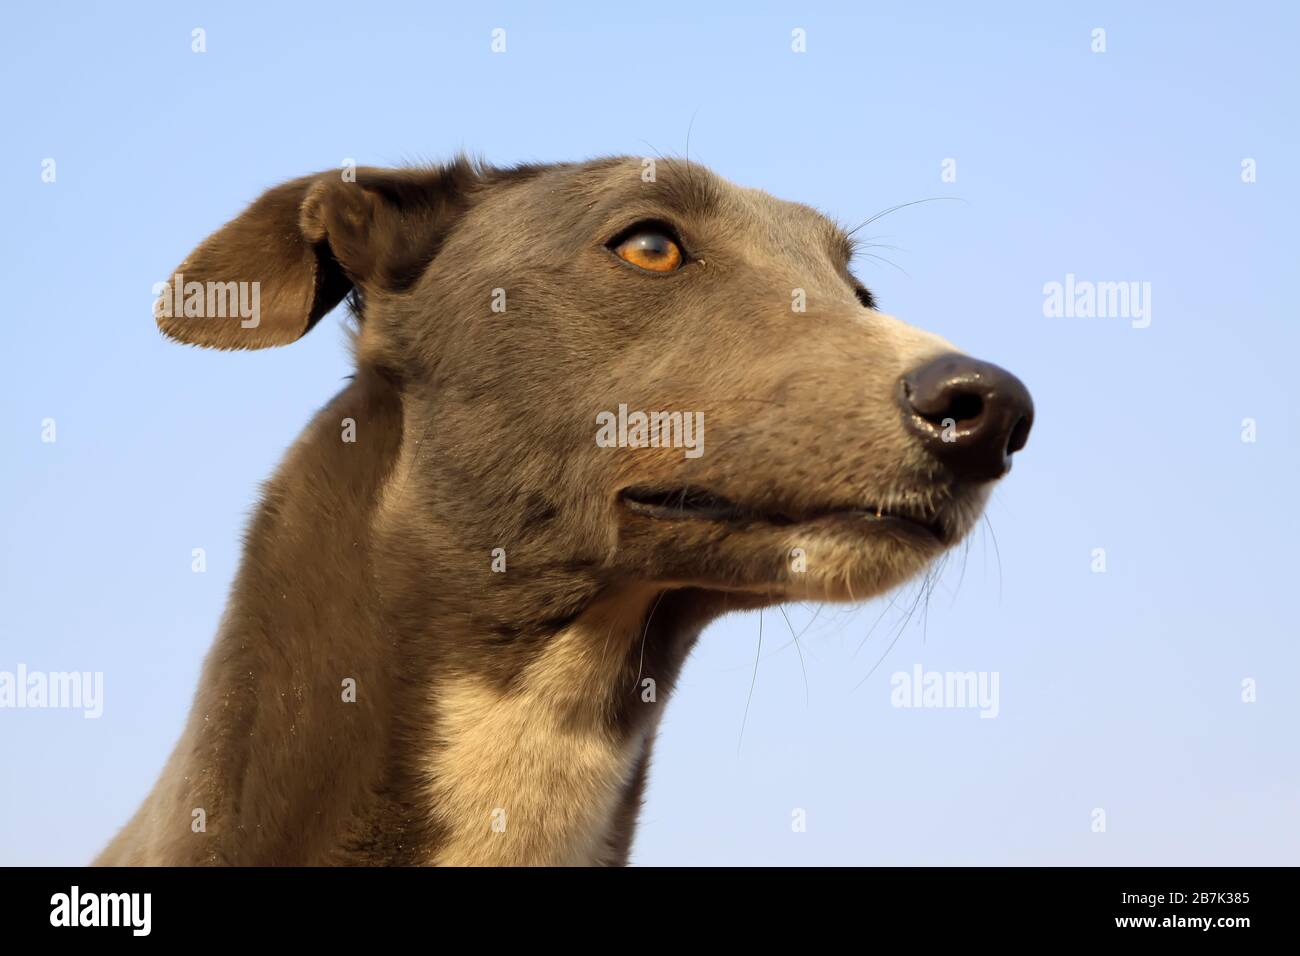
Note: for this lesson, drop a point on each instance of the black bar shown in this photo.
(1163, 905)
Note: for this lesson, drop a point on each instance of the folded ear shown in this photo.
(269, 275)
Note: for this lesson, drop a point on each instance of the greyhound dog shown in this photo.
(471, 584)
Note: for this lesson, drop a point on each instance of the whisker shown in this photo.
(904, 205)
(797, 647)
(649, 618)
(873, 627)
(965, 558)
(753, 680)
(997, 553)
(887, 262)
(816, 611)
(897, 635)
(690, 176)
(654, 149)
(790, 643)
(874, 666)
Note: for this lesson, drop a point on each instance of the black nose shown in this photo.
(971, 415)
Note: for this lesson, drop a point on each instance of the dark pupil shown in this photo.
(653, 243)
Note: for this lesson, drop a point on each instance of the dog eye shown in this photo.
(651, 249)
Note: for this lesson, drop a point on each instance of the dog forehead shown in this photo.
(523, 216)
(793, 226)
(692, 190)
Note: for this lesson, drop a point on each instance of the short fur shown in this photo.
(501, 718)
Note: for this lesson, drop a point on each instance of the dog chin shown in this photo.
(834, 560)
(840, 555)
(843, 566)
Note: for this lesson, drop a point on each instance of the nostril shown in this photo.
(965, 407)
(969, 414)
(1019, 435)
(962, 407)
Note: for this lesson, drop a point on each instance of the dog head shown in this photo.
(619, 371)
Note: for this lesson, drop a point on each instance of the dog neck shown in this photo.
(368, 701)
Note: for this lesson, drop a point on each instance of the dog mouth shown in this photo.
(696, 504)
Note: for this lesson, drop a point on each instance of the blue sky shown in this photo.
(1119, 690)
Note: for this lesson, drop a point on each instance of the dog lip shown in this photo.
(702, 505)
(681, 503)
(932, 528)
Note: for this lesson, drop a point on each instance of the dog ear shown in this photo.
(269, 275)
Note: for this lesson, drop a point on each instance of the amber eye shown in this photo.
(650, 249)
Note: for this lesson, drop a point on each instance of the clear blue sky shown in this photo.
(1119, 691)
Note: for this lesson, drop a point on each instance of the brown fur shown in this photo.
(520, 695)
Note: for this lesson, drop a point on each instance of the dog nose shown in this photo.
(971, 415)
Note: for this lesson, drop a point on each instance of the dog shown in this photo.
(471, 584)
